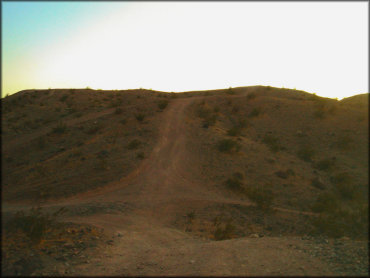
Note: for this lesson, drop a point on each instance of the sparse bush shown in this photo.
(230, 91)
(316, 182)
(326, 164)
(134, 144)
(263, 197)
(272, 142)
(33, 224)
(319, 114)
(306, 153)
(237, 129)
(228, 146)
(235, 182)
(123, 121)
(251, 96)
(118, 111)
(325, 202)
(255, 112)
(234, 131)
(344, 143)
(60, 128)
(224, 232)
(94, 129)
(190, 216)
(284, 174)
(41, 143)
(210, 121)
(162, 104)
(140, 155)
(352, 222)
(64, 98)
(343, 183)
(140, 117)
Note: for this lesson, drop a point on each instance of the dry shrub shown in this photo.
(272, 142)
(306, 153)
(228, 146)
(263, 197)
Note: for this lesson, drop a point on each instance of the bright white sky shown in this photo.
(319, 47)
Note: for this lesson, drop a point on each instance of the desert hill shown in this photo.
(192, 173)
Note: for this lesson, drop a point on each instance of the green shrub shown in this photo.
(134, 144)
(228, 146)
(272, 142)
(306, 153)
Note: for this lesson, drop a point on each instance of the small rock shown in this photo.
(254, 236)
(192, 261)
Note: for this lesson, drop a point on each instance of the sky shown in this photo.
(318, 47)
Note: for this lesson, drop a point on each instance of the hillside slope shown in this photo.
(262, 179)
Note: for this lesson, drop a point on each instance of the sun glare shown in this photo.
(184, 46)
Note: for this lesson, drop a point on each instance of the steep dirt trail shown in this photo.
(166, 187)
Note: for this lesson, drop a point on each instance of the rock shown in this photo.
(254, 236)
(192, 261)
(110, 242)
(345, 238)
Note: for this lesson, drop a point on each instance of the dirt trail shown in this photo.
(165, 187)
